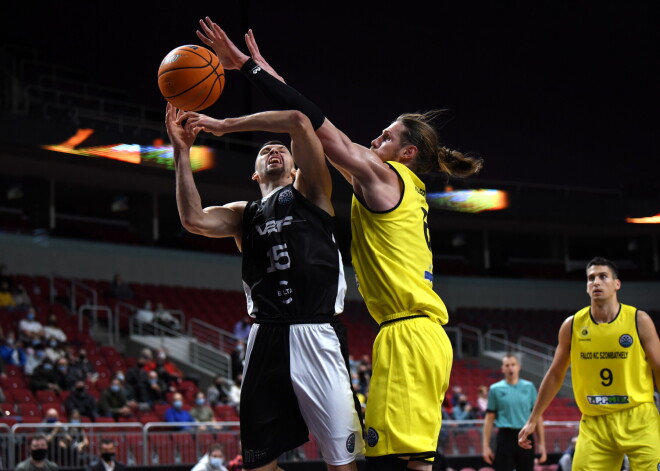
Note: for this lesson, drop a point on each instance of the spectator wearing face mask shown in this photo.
(38, 456)
(44, 377)
(214, 460)
(113, 402)
(177, 413)
(154, 390)
(80, 399)
(107, 461)
(12, 352)
(67, 376)
(29, 328)
(201, 411)
(53, 350)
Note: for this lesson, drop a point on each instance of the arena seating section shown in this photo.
(222, 309)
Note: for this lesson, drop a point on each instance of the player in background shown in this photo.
(614, 354)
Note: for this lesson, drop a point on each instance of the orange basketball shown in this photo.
(191, 78)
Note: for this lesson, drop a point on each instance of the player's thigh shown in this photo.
(595, 450)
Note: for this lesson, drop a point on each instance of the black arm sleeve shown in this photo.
(284, 96)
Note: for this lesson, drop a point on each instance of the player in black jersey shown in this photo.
(296, 376)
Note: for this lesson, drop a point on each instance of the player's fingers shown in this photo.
(203, 38)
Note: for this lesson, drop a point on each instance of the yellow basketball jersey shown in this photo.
(610, 371)
(391, 252)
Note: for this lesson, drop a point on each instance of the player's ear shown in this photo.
(617, 284)
(255, 177)
(409, 153)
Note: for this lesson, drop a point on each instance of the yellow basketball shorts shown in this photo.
(604, 439)
(410, 374)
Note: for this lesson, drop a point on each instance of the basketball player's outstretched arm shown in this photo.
(214, 221)
(313, 177)
(371, 178)
(551, 383)
(648, 335)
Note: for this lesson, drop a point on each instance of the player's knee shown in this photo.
(386, 463)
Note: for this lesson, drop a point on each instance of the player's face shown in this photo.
(601, 284)
(510, 368)
(388, 146)
(273, 160)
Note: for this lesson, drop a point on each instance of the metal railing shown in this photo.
(168, 443)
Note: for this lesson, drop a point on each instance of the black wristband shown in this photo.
(284, 96)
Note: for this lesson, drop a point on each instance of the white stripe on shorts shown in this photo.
(322, 386)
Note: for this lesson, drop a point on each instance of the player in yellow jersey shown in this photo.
(391, 253)
(614, 352)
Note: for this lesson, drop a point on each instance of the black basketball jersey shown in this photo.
(292, 267)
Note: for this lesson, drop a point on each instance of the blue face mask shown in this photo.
(114, 388)
(51, 420)
(30, 317)
(47, 366)
(75, 421)
(200, 402)
(216, 462)
(178, 404)
(120, 377)
(62, 368)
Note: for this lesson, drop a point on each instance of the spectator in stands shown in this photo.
(463, 409)
(81, 400)
(12, 352)
(6, 298)
(81, 363)
(131, 398)
(218, 391)
(565, 462)
(38, 456)
(113, 402)
(137, 377)
(53, 331)
(67, 376)
(33, 358)
(155, 390)
(80, 442)
(482, 402)
(54, 350)
(165, 318)
(364, 374)
(177, 413)
(201, 411)
(242, 328)
(166, 369)
(213, 460)
(107, 461)
(456, 392)
(118, 289)
(58, 438)
(21, 298)
(510, 401)
(30, 330)
(145, 315)
(44, 377)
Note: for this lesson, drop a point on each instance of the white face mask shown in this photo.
(216, 462)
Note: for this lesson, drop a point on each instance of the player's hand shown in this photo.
(487, 455)
(544, 456)
(200, 122)
(213, 36)
(181, 137)
(525, 432)
(258, 58)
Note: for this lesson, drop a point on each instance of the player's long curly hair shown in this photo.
(431, 156)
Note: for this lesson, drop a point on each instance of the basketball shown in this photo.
(191, 78)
